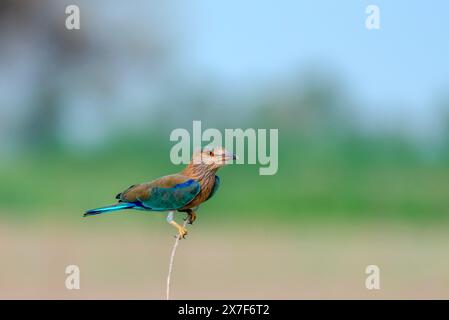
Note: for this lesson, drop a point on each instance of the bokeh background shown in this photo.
(363, 119)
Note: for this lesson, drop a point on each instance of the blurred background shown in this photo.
(363, 119)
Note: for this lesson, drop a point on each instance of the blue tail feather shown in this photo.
(114, 207)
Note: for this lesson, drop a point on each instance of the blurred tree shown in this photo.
(53, 74)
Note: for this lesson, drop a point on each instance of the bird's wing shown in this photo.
(167, 193)
(215, 188)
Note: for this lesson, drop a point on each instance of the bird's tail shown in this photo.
(114, 207)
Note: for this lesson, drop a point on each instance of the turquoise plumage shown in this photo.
(111, 208)
(164, 199)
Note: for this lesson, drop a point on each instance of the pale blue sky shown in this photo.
(395, 75)
(406, 61)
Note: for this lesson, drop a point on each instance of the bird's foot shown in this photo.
(182, 232)
(191, 217)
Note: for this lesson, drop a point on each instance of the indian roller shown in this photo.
(182, 192)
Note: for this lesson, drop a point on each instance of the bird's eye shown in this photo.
(211, 153)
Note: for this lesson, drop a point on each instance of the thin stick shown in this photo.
(172, 258)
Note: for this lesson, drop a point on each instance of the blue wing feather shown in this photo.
(176, 197)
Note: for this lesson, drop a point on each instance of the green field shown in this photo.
(344, 183)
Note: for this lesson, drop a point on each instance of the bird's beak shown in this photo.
(230, 156)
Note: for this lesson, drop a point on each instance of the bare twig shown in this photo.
(172, 258)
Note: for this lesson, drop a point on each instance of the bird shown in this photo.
(182, 192)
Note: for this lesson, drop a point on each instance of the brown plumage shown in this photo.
(206, 177)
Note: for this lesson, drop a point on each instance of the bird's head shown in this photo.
(213, 158)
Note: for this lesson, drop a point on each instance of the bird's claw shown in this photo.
(191, 217)
(182, 232)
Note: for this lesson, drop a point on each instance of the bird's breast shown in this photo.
(207, 185)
